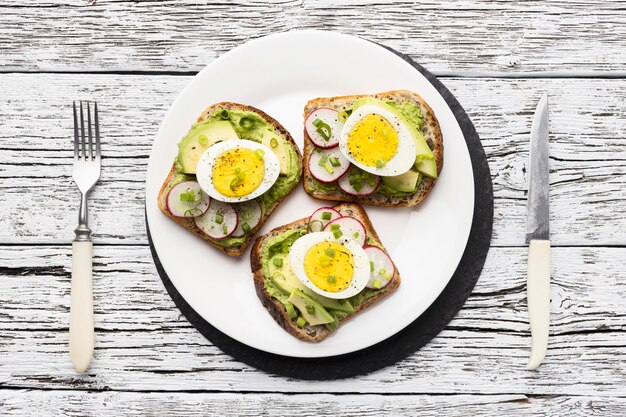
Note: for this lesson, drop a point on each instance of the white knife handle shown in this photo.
(538, 296)
(81, 308)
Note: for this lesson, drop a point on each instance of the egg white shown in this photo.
(401, 162)
(361, 264)
(204, 172)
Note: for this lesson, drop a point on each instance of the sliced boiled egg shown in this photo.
(377, 141)
(333, 268)
(237, 170)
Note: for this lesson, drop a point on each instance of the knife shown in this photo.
(537, 236)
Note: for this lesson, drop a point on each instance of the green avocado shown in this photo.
(404, 183)
(286, 280)
(281, 149)
(311, 310)
(411, 115)
(198, 139)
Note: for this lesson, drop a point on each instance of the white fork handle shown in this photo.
(81, 308)
(538, 295)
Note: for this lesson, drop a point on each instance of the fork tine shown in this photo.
(97, 127)
(82, 131)
(76, 149)
(90, 154)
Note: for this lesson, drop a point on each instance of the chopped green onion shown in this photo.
(273, 143)
(323, 129)
(334, 227)
(327, 215)
(278, 262)
(310, 309)
(246, 123)
(246, 227)
(219, 218)
(343, 115)
(371, 266)
(334, 161)
(356, 235)
(301, 322)
(285, 248)
(330, 252)
(323, 160)
(239, 175)
(260, 153)
(224, 114)
(337, 234)
(291, 312)
(224, 229)
(317, 224)
(325, 261)
(357, 187)
(203, 140)
(382, 271)
(189, 196)
(332, 278)
(388, 275)
(329, 169)
(377, 284)
(379, 164)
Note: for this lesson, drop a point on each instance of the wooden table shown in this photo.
(135, 56)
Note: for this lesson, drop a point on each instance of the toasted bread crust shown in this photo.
(432, 133)
(188, 223)
(276, 309)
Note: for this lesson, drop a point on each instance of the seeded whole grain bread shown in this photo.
(430, 129)
(188, 223)
(277, 310)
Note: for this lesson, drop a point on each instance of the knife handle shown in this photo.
(81, 308)
(538, 296)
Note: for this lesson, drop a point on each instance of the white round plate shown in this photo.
(279, 74)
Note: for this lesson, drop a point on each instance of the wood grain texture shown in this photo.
(588, 154)
(143, 343)
(113, 35)
(45, 403)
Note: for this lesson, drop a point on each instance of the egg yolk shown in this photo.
(329, 266)
(373, 141)
(238, 172)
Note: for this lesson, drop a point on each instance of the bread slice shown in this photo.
(188, 223)
(430, 130)
(278, 311)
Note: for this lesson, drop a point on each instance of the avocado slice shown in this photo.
(425, 159)
(285, 280)
(406, 183)
(280, 149)
(200, 137)
(311, 310)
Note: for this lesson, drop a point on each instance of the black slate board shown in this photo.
(415, 335)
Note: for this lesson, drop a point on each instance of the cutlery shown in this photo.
(86, 173)
(538, 236)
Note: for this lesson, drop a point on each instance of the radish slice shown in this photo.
(327, 165)
(219, 222)
(321, 217)
(323, 127)
(347, 227)
(358, 182)
(381, 267)
(178, 200)
(249, 215)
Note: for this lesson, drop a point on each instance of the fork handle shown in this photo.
(81, 308)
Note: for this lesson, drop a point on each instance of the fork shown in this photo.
(86, 173)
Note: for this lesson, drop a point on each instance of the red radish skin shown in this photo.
(317, 216)
(349, 226)
(254, 212)
(320, 173)
(344, 184)
(328, 116)
(381, 261)
(207, 222)
(182, 209)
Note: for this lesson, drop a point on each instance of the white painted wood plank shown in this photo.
(184, 36)
(142, 342)
(588, 150)
(55, 403)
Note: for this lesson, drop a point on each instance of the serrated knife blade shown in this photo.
(538, 236)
